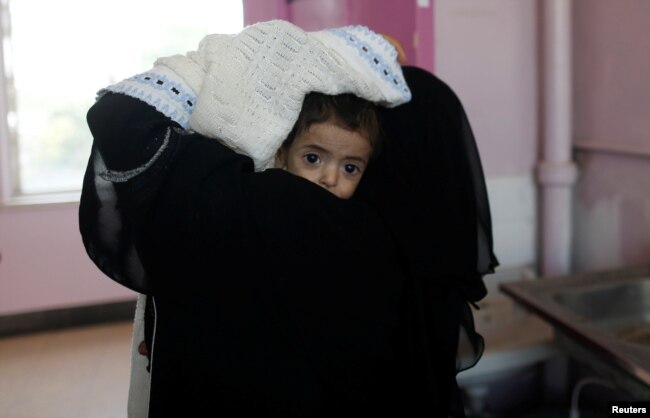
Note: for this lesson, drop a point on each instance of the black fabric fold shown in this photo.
(429, 188)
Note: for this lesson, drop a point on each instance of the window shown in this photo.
(57, 54)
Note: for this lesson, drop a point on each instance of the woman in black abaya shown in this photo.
(275, 298)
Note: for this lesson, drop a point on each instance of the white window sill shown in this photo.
(42, 199)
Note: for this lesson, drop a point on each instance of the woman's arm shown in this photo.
(135, 149)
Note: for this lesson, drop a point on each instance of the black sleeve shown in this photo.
(135, 151)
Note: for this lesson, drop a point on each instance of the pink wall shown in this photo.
(394, 18)
(612, 71)
(487, 52)
(319, 14)
(401, 20)
(424, 51)
(262, 10)
(44, 264)
(611, 108)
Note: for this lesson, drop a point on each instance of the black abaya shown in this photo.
(272, 296)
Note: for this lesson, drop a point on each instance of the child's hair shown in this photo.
(346, 110)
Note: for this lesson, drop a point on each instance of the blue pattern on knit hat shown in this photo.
(168, 96)
(368, 52)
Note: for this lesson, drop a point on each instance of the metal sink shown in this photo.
(600, 318)
(622, 310)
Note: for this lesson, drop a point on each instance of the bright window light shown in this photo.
(61, 52)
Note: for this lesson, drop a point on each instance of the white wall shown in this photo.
(486, 51)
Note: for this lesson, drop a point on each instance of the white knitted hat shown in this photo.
(163, 89)
(246, 90)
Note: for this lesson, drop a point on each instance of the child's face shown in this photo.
(329, 156)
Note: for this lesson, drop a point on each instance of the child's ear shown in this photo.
(281, 159)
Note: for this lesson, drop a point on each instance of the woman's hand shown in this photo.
(401, 55)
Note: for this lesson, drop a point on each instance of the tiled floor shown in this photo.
(74, 373)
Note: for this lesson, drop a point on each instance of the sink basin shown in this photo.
(601, 319)
(623, 309)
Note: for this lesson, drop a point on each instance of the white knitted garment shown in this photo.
(163, 89)
(249, 87)
(256, 80)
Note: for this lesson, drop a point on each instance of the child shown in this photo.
(332, 142)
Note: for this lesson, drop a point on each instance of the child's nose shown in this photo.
(329, 176)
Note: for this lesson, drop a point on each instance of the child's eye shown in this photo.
(312, 158)
(351, 169)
